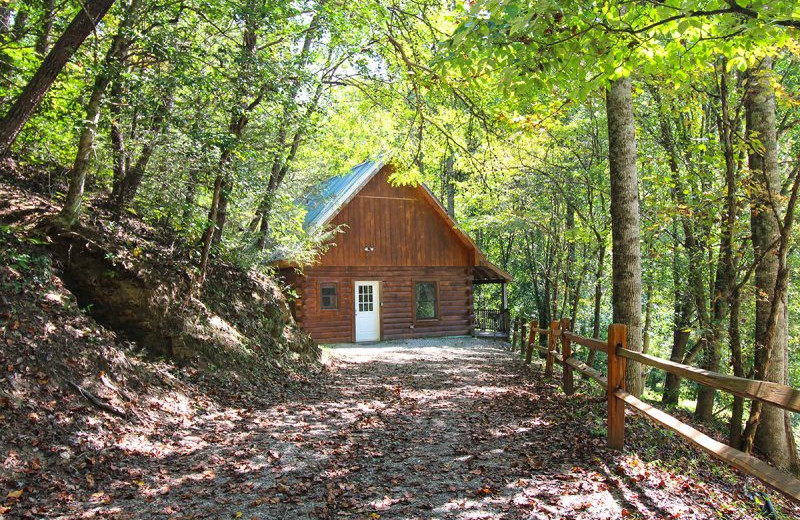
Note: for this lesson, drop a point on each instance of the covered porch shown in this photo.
(492, 317)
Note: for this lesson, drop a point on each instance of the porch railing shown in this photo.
(493, 320)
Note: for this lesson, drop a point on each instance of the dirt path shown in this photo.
(450, 429)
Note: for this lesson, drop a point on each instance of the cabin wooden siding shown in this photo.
(401, 226)
(396, 235)
(397, 316)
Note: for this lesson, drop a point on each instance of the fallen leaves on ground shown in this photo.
(449, 428)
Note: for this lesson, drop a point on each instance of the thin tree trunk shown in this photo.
(598, 298)
(280, 167)
(450, 185)
(217, 214)
(189, 196)
(626, 251)
(92, 11)
(648, 317)
(130, 183)
(209, 232)
(672, 385)
(120, 160)
(737, 363)
(6, 65)
(119, 45)
(569, 278)
(43, 41)
(726, 269)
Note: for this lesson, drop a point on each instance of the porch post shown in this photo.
(504, 308)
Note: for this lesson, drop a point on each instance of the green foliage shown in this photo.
(497, 105)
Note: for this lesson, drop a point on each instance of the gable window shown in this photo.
(328, 296)
(426, 305)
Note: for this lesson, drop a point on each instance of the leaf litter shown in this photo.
(449, 428)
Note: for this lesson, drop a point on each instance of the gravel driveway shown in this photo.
(447, 428)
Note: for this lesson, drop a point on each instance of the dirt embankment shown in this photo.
(138, 284)
(103, 355)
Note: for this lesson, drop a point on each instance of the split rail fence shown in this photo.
(615, 347)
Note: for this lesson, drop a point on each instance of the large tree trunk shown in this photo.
(84, 22)
(626, 253)
(766, 429)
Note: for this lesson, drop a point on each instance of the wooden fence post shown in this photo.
(566, 351)
(551, 347)
(617, 336)
(516, 333)
(531, 339)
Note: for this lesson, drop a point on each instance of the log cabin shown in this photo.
(399, 267)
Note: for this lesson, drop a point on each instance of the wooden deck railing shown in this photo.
(614, 383)
(495, 320)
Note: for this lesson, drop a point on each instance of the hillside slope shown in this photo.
(104, 354)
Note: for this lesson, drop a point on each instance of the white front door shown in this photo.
(368, 311)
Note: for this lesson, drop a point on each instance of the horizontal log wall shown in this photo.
(455, 315)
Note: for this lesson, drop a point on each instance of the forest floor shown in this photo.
(452, 428)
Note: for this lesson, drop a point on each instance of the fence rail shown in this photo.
(614, 384)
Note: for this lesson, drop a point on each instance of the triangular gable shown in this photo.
(337, 192)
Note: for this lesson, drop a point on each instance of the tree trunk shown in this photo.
(208, 235)
(189, 196)
(450, 185)
(598, 298)
(120, 159)
(648, 317)
(766, 429)
(6, 62)
(43, 41)
(626, 253)
(222, 212)
(217, 215)
(281, 163)
(672, 385)
(119, 45)
(737, 363)
(129, 185)
(92, 11)
(725, 281)
(681, 318)
(569, 275)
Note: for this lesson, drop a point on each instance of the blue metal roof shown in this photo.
(328, 197)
